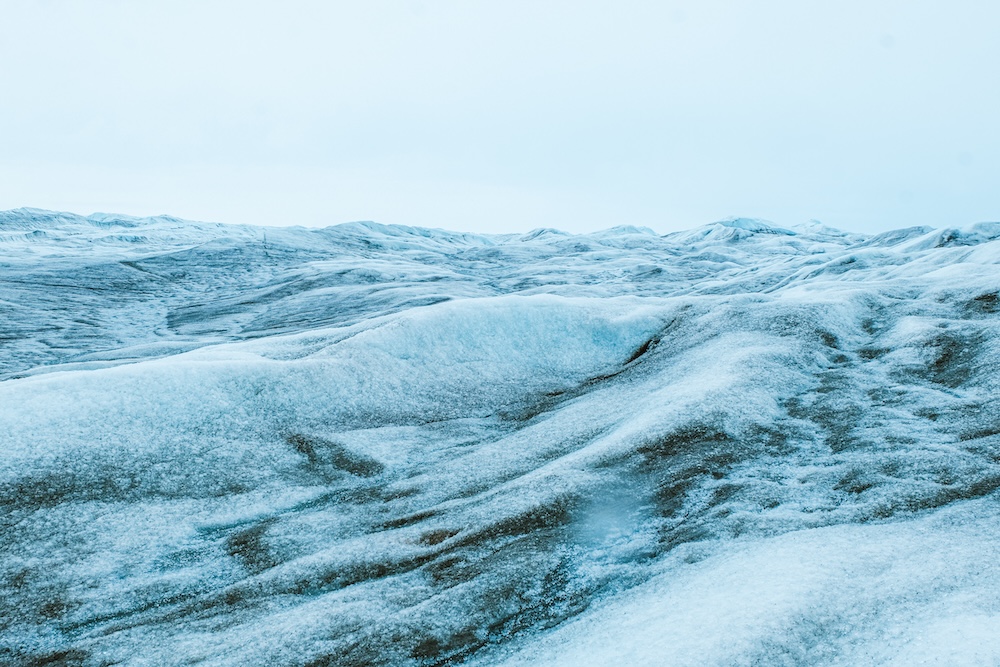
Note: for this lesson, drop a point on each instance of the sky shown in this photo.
(504, 116)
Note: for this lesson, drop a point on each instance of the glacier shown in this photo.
(382, 445)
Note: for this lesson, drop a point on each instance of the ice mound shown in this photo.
(921, 592)
(383, 445)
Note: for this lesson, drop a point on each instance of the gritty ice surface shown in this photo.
(381, 445)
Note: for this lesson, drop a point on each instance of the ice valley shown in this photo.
(383, 445)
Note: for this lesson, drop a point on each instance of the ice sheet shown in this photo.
(383, 445)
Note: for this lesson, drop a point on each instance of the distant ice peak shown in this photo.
(755, 225)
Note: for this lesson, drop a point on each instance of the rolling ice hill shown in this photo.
(383, 445)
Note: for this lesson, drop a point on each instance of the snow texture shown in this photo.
(382, 445)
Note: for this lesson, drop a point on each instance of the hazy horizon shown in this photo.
(772, 223)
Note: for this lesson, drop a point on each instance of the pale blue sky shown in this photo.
(505, 116)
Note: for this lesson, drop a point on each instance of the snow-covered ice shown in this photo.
(382, 445)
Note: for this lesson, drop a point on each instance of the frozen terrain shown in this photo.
(381, 445)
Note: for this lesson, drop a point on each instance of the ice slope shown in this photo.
(381, 445)
(923, 592)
